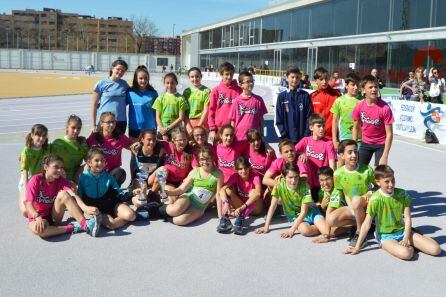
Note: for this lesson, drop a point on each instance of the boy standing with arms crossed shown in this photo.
(323, 98)
(374, 118)
(221, 99)
(293, 109)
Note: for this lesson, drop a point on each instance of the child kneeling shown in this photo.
(298, 206)
(389, 205)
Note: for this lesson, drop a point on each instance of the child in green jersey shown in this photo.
(196, 192)
(342, 112)
(36, 147)
(72, 148)
(170, 107)
(197, 96)
(355, 181)
(298, 206)
(388, 206)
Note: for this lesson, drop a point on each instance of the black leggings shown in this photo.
(366, 152)
(119, 175)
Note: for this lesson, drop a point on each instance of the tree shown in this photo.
(143, 28)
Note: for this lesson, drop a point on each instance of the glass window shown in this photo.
(300, 24)
(321, 20)
(204, 42)
(371, 56)
(268, 29)
(216, 38)
(373, 16)
(439, 10)
(283, 26)
(411, 14)
(344, 17)
(294, 57)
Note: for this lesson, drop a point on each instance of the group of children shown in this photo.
(204, 149)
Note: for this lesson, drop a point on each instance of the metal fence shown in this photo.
(69, 60)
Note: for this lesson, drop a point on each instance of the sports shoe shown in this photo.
(93, 225)
(238, 225)
(351, 233)
(77, 227)
(142, 213)
(354, 241)
(225, 225)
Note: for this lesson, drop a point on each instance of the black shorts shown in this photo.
(176, 184)
(134, 133)
(106, 204)
(121, 126)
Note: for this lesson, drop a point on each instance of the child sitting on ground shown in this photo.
(389, 205)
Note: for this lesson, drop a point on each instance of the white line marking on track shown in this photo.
(420, 146)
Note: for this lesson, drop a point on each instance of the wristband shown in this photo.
(246, 205)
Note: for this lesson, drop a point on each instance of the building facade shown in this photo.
(52, 29)
(394, 36)
(162, 45)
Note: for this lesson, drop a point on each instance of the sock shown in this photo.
(69, 228)
(84, 224)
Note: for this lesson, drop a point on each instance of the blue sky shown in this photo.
(184, 14)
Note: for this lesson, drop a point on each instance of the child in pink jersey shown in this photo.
(228, 150)
(112, 143)
(48, 195)
(375, 118)
(260, 161)
(221, 99)
(248, 109)
(288, 152)
(316, 151)
(241, 192)
(177, 161)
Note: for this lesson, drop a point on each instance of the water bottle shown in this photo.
(161, 175)
(142, 179)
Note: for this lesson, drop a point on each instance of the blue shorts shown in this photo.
(313, 215)
(398, 236)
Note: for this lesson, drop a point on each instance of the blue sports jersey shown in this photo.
(112, 98)
(141, 113)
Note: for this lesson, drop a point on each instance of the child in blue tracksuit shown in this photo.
(293, 109)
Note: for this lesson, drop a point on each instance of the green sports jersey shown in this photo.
(169, 106)
(389, 210)
(336, 198)
(292, 200)
(197, 98)
(203, 189)
(31, 160)
(72, 152)
(343, 109)
(354, 183)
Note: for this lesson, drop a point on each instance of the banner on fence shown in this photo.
(412, 119)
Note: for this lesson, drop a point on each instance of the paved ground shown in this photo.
(159, 259)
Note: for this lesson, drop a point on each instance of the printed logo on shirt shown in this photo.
(171, 160)
(224, 163)
(246, 110)
(241, 193)
(314, 155)
(256, 166)
(113, 152)
(285, 106)
(223, 100)
(45, 199)
(374, 122)
(301, 106)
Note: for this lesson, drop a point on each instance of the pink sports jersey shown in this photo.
(278, 164)
(373, 118)
(260, 162)
(226, 156)
(43, 193)
(175, 162)
(220, 101)
(247, 113)
(112, 149)
(243, 187)
(318, 152)
(195, 160)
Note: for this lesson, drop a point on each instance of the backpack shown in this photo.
(430, 137)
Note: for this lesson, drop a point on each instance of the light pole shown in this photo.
(173, 30)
